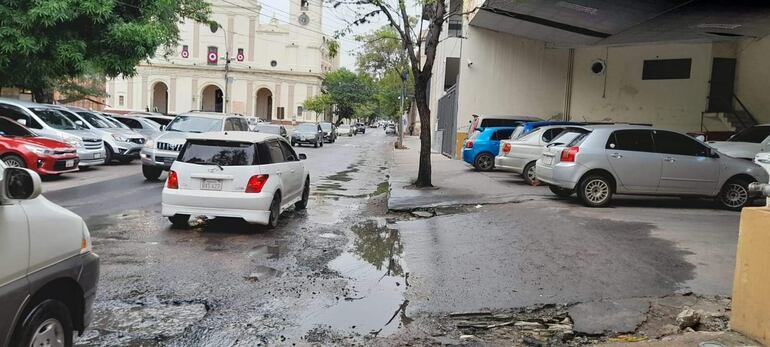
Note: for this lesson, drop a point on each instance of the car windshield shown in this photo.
(95, 120)
(193, 124)
(307, 128)
(54, 118)
(570, 137)
(159, 120)
(10, 128)
(268, 129)
(752, 135)
(221, 153)
(326, 126)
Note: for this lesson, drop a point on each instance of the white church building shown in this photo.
(275, 65)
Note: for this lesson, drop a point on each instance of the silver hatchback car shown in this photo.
(636, 160)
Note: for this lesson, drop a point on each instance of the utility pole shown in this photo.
(400, 143)
(214, 26)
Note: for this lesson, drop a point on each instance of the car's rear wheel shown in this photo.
(47, 324)
(275, 211)
(13, 160)
(108, 154)
(180, 220)
(151, 173)
(595, 191)
(529, 173)
(484, 162)
(561, 192)
(734, 195)
(302, 204)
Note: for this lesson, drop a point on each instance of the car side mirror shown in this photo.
(79, 122)
(713, 153)
(20, 184)
(701, 138)
(302, 156)
(162, 127)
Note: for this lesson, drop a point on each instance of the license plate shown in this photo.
(97, 155)
(547, 160)
(69, 163)
(211, 185)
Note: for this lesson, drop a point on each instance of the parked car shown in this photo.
(345, 130)
(158, 154)
(360, 128)
(47, 121)
(747, 143)
(529, 127)
(390, 129)
(626, 159)
(330, 132)
(482, 146)
(519, 155)
(114, 122)
(48, 273)
(274, 129)
(159, 118)
(254, 122)
(260, 176)
(22, 148)
(310, 133)
(120, 144)
(149, 128)
(485, 121)
(763, 159)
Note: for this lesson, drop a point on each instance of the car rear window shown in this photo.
(499, 122)
(571, 137)
(222, 153)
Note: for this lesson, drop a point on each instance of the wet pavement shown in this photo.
(348, 271)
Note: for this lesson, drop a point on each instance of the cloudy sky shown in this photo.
(333, 20)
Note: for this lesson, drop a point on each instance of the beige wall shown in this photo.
(673, 104)
(509, 75)
(752, 82)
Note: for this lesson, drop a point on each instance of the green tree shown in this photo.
(46, 43)
(348, 92)
(381, 52)
(320, 103)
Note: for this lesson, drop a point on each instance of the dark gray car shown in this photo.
(308, 133)
(268, 128)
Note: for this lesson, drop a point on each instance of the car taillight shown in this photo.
(256, 183)
(173, 180)
(568, 154)
(506, 147)
(469, 144)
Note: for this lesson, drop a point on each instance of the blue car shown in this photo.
(483, 145)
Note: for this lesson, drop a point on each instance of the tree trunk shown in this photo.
(420, 97)
(42, 95)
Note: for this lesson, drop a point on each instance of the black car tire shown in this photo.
(108, 154)
(151, 173)
(180, 221)
(302, 204)
(561, 192)
(322, 143)
(14, 160)
(275, 211)
(484, 162)
(315, 144)
(734, 194)
(528, 173)
(595, 191)
(51, 314)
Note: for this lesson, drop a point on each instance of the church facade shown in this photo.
(274, 65)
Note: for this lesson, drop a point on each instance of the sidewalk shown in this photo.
(455, 183)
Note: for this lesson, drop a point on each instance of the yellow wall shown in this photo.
(751, 285)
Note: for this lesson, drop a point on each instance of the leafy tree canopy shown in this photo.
(45, 42)
(350, 93)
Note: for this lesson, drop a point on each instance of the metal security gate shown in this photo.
(447, 121)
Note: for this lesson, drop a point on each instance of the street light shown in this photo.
(214, 26)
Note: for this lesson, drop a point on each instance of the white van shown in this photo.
(48, 273)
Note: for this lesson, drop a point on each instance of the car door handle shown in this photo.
(616, 155)
(669, 159)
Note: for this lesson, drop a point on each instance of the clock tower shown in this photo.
(306, 16)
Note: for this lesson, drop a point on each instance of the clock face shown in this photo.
(304, 19)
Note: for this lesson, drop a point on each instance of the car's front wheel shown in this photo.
(484, 162)
(302, 204)
(595, 191)
(108, 154)
(151, 173)
(47, 324)
(734, 195)
(13, 160)
(561, 192)
(180, 220)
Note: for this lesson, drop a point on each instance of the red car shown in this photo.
(20, 147)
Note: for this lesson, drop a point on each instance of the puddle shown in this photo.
(119, 322)
(375, 268)
(262, 273)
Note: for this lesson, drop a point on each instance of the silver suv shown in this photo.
(158, 154)
(119, 144)
(625, 159)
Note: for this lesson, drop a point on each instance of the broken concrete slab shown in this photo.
(613, 316)
(422, 214)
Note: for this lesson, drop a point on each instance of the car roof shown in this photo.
(510, 116)
(235, 136)
(146, 114)
(484, 129)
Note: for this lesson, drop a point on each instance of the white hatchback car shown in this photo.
(253, 176)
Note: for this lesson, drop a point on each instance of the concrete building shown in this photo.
(682, 65)
(274, 65)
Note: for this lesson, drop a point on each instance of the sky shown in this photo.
(333, 20)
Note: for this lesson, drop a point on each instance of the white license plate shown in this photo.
(547, 160)
(211, 185)
(97, 155)
(69, 163)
